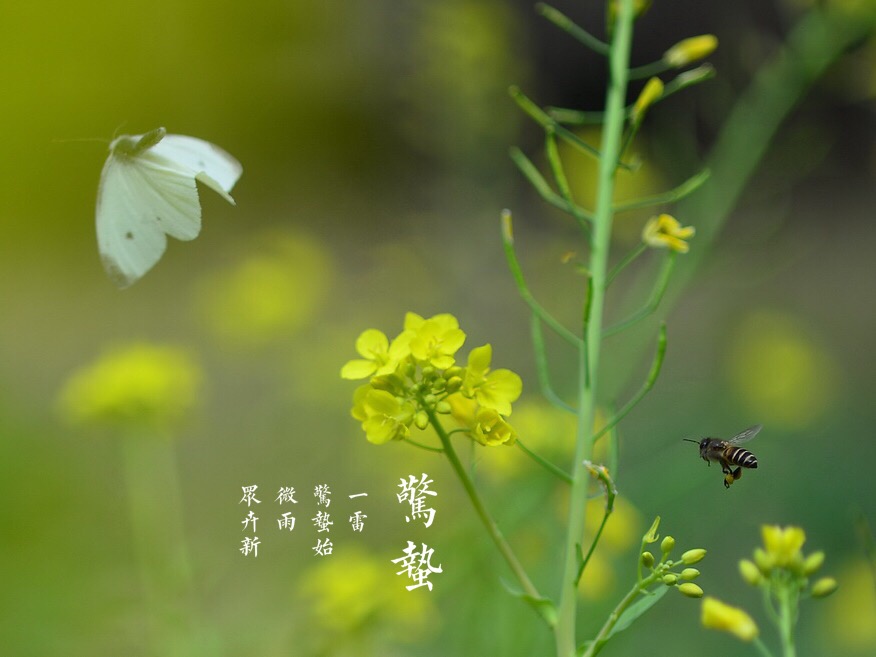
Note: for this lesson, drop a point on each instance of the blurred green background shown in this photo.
(374, 142)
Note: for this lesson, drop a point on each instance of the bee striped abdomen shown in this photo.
(743, 458)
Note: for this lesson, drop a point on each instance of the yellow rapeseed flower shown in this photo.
(719, 616)
(497, 389)
(386, 417)
(378, 355)
(492, 430)
(434, 340)
(134, 385)
(784, 545)
(664, 231)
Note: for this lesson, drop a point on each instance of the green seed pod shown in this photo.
(690, 573)
(666, 545)
(442, 407)
(824, 587)
(813, 562)
(647, 559)
(690, 589)
(670, 579)
(750, 572)
(421, 420)
(691, 557)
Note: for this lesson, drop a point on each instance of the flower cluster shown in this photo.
(782, 570)
(665, 569)
(415, 376)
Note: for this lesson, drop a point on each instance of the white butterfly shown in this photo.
(147, 189)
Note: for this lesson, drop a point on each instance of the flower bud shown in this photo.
(439, 385)
(443, 407)
(750, 572)
(428, 371)
(824, 587)
(651, 535)
(453, 372)
(690, 573)
(764, 561)
(651, 93)
(813, 562)
(647, 559)
(691, 557)
(430, 399)
(690, 589)
(718, 616)
(670, 579)
(421, 420)
(667, 545)
(690, 50)
(454, 383)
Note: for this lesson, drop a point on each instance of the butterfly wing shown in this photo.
(209, 163)
(748, 434)
(140, 199)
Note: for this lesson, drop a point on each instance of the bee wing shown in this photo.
(748, 434)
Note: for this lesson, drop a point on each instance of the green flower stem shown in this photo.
(155, 504)
(610, 493)
(543, 462)
(532, 174)
(649, 383)
(490, 524)
(640, 588)
(567, 116)
(673, 195)
(567, 25)
(659, 289)
(541, 366)
(761, 647)
(623, 264)
(649, 70)
(556, 164)
(787, 598)
(422, 446)
(565, 630)
(525, 294)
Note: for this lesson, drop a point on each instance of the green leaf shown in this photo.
(637, 609)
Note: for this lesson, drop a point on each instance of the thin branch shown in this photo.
(547, 465)
(657, 293)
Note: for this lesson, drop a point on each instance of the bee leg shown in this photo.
(737, 474)
(728, 479)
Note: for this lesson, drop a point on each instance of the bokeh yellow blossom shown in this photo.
(719, 616)
(269, 295)
(135, 385)
(664, 231)
(850, 626)
(779, 372)
(353, 592)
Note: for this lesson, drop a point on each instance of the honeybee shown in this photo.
(728, 454)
